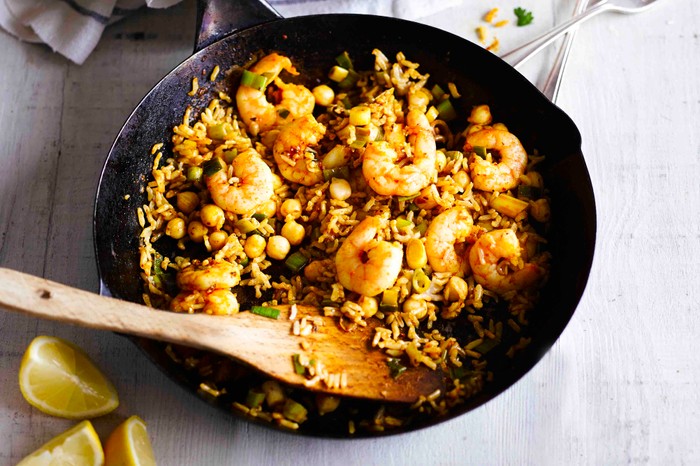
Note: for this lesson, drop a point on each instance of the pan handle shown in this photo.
(219, 18)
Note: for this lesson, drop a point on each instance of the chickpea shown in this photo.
(176, 228)
(481, 115)
(416, 256)
(278, 247)
(187, 202)
(276, 181)
(254, 246)
(340, 189)
(196, 231)
(323, 95)
(269, 208)
(291, 207)
(456, 289)
(294, 232)
(217, 239)
(212, 216)
(369, 306)
(415, 306)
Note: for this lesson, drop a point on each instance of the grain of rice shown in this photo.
(214, 73)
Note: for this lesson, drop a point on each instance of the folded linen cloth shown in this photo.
(74, 27)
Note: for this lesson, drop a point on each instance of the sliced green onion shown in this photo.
(402, 223)
(336, 172)
(244, 262)
(329, 303)
(344, 60)
(422, 228)
(460, 372)
(194, 173)
(222, 131)
(529, 192)
(395, 367)
(294, 411)
(437, 92)
(346, 102)
(390, 300)
(350, 80)
(210, 167)
(486, 346)
(408, 198)
(452, 154)
(420, 281)
(254, 80)
(246, 225)
(269, 312)
(296, 261)
(380, 134)
(283, 112)
(338, 73)
(446, 111)
(480, 151)
(259, 217)
(299, 368)
(229, 155)
(254, 398)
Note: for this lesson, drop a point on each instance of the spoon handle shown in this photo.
(521, 54)
(46, 299)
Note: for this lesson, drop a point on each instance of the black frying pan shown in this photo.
(312, 43)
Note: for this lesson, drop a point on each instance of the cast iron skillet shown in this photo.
(312, 43)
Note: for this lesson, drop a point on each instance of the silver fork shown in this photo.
(551, 85)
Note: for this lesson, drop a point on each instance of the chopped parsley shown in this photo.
(524, 16)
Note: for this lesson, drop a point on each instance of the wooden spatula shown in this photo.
(266, 344)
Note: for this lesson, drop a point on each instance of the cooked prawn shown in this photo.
(485, 258)
(292, 100)
(250, 186)
(218, 302)
(291, 150)
(208, 275)
(446, 241)
(386, 177)
(365, 263)
(492, 176)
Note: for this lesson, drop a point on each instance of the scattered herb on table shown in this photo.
(524, 16)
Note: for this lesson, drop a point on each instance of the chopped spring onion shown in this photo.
(329, 303)
(269, 312)
(244, 262)
(194, 173)
(446, 111)
(408, 198)
(529, 192)
(395, 367)
(402, 223)
(420, 281)
(259, 217)
(432, 113)
(283, 112)
(254, 398)
(222, 131)
(338, 73)
(344, 60)
(437, 92)
(246, 225)
(346, 102)
(452, 154)
(210, 167)
(390, 300)
(295, 262)
(294, 411)
(360, 115)
(460, 372)
(480, 151)
(229, 155)
(336, 172)
(487, 345)
(508, 205)
(422, 228)
(254, 80)
(299, 368)
(349, 81)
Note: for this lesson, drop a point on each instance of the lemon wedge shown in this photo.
(129, 445)
(79, 445)
(58, 378)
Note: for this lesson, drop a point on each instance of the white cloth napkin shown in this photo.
(74, 27)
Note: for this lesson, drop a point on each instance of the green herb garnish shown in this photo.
(395, 367)
(524, 16)
(295, 262)
(210, 167)
(298, 366)
(269, 312)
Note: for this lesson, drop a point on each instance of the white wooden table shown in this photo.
(621, 384)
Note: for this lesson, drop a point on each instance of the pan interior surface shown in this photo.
(312, 43)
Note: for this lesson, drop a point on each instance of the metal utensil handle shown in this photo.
(554, 78)
(217, 19)
(520, 55)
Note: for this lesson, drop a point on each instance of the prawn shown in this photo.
(250, 186)
(492, 176)
(292, 150)
(216, 302)
(485, 259)
(386, 177)
(292, 100)
(446, 241)
(208, 275)
(365, 263)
